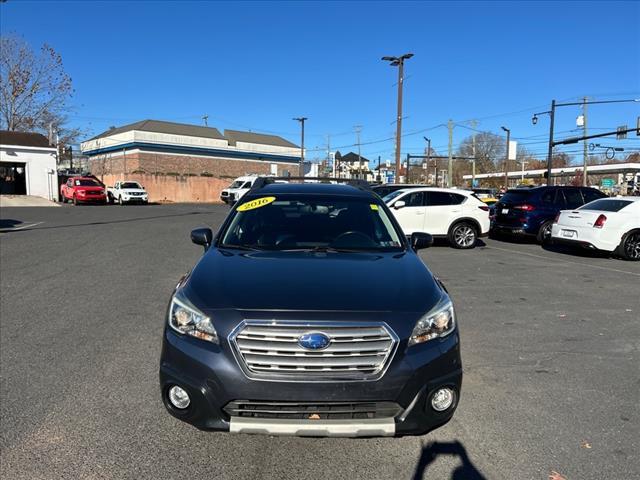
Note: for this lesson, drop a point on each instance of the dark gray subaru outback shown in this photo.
(311, 314)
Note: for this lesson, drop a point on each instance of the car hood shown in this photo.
(312, 281)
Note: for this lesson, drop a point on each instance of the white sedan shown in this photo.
(457, 215)
(608, 224)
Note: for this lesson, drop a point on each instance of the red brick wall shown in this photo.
(177, 178)
(163, 188)
(183, 165)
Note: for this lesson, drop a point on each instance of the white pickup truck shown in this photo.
(237, 189)
(127, 192)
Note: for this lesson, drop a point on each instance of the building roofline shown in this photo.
(232, 154)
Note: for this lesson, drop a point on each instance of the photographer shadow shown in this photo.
(465, 471)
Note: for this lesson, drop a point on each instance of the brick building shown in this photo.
(186, 163)
(166, 148)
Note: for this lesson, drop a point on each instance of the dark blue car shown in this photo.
(311, 314)
(531, 211)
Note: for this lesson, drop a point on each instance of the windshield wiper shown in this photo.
(321, 249)
(252, 248)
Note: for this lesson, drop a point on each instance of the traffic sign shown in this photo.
(607, 182)
(621, 132)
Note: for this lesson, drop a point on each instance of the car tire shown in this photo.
(629, 248)
(463, 235)
(544, 233)
(107, 200)
(120, 202)
(75, 200)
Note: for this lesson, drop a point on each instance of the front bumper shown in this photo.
(213, 379)
(91, 198)
(135, 199)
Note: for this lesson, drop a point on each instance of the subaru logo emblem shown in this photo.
(314, 341)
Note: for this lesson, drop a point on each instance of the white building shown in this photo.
(27, 165)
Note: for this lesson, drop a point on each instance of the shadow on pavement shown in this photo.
(575, 251)
(431, 451)
(8, 223)
(443, 242)
(106, 222)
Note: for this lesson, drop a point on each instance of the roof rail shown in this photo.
(359, 183)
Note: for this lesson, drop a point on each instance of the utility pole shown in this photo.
(399, 62)
(473, 162)
(429, 155)
(379, 177)
(450, 170)
(523, 165)
(358, 129)
(333, 166)
(506, 159)
(205, 117)
(585, 154)
(301, 167)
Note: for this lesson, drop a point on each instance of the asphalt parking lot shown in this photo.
(550, 353)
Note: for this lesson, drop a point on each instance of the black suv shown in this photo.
(530, 211)
(310, 313)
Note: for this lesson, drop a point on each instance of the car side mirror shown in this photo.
(399, 204)
(420, 240)
(202, 236)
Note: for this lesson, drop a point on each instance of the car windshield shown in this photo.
(306, 222)
(387, 198)
(606, 205)
(130, 185)
(236, 184)
(87, 182)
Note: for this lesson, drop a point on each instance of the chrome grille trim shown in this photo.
(268, 350)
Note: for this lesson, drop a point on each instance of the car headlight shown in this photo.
(439, 322)
(186, 319)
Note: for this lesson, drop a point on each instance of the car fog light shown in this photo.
(178, 397)
(442, 399)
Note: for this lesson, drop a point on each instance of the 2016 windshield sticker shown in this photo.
(374, 207)
(257, 203)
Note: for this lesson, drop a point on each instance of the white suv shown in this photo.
(443, 212)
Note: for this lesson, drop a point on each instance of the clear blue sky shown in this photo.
(257, 65)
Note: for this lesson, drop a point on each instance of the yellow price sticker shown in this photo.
(374, 207)
(257, 203)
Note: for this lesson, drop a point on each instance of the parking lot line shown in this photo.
(22, 227)
(565, 261)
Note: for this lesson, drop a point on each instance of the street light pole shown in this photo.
(506, 159)
(552, 116)
(399, 62)
(301, 167)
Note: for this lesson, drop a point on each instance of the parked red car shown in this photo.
(83, 190)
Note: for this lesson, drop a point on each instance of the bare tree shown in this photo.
(490, 150)
(34, 89)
